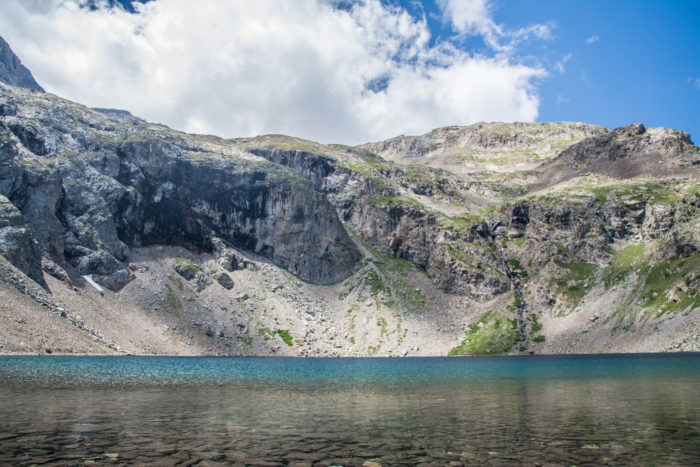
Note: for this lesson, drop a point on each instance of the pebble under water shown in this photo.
(570, 410)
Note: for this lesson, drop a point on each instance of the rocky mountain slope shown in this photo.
(118, 235)
(12, 71)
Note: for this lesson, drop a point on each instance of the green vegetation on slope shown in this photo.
(496, 332)
(385, 282)
(286, 336)
(576, 282)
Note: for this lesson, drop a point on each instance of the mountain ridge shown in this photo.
(485, 239)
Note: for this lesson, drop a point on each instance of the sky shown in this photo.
(353, 71)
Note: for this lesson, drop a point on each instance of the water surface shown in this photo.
(615, 410)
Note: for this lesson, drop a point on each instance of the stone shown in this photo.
(231, 260)
(51, 267)
(224, 280)
(186, 270)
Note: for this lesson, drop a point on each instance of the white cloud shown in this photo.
(299, 67)
(559, 66)
(475, 17)
(472, 16)
(591, 40)
(562, 100)
(694, 81)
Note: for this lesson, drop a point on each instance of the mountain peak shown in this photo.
(12, 71)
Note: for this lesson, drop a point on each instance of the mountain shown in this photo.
(119, 235)
(12, 71)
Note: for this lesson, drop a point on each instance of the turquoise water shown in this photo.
(615, 410)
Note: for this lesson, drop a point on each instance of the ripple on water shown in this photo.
(614, 409)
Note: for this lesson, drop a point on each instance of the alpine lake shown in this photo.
(521, 410)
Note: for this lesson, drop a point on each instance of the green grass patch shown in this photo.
(356, 168)
(246, 340)
(517, 303)
(246, 310)
(496, 332)
(518, 270)
(387, 278)
(265, 333)
(654, 192)
(283, 142)
(536, 325)
(576, 282)
(182, 264)
(381, 322)
(286, 337)
(668, 286)
(677, 275)
(460, 223)
(384, 200)
(401, 293)
(625, 261)
(375, 283)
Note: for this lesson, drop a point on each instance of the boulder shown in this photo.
(186, 269)
(224, 280)
(231, 260)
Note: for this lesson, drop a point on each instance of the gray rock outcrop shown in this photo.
(12, 71)
(91, 187)
(17, 243)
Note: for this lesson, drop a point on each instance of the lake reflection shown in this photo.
(637, 419)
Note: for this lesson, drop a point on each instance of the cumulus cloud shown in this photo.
(591, 40)
(360, 72)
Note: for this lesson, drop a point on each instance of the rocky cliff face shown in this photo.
(12, 71)
(492, 238)
(91, 187)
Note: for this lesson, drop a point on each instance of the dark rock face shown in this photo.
(625, 152)
(520, 217)
(90, 188)
(12, 71)
(459, 262)
(17, 243)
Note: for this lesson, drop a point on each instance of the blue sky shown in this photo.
(355, 71)
(631, 61)
(609, 62)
